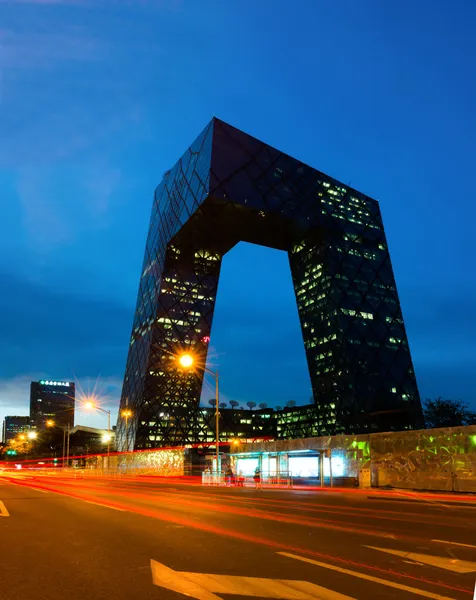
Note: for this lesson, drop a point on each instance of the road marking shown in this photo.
(203, 586)
(450, 564)
(3, 510)
(454, 543)
(103, 505)
(397, 586)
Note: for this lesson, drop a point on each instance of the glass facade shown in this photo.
(52, 400)
(230, 187)
(13, 426)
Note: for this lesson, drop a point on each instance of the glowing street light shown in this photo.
(66, 433)
(90, 405)
(127, 413)
(32, 435)
(187, 361)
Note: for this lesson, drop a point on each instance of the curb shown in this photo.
(423, 501)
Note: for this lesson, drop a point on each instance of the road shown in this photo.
(93, 538)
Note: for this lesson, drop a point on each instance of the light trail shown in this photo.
(176, 503)
(230, 533)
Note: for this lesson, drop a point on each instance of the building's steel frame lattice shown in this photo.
(230, 187)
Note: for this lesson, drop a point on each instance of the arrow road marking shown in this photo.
(450, 564)
(3, 510)
(202, 586)
(398, 586)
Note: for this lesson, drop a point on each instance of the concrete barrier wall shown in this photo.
(428, 459)
(164, 463)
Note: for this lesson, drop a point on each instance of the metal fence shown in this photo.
(265, 480)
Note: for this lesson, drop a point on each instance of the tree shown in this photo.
(49, 442)
(447, 413)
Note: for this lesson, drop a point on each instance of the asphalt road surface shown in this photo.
(100, 539)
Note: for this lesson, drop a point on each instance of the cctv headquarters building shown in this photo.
(230, 187)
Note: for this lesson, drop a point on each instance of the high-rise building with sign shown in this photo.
(52, 400)
(230, 187)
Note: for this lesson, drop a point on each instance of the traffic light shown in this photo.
(12, 452)
(55, 460)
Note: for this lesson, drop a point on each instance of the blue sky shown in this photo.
(99, 97)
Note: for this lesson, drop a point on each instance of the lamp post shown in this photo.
(126, 413)
(66, 432)
(32, 435)
(187, 361)
(91, 406)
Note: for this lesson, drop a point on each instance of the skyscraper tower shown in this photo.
(230, 187)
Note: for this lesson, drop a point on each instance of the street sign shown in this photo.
(443, 562)
(203, 586)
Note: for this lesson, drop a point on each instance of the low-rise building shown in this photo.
(14, 426)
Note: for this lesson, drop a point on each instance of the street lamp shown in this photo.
(127, 413)
(92, 406)
(66, 430)
(32, 435)
(187, 361)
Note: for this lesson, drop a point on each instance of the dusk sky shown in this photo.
(99, 97)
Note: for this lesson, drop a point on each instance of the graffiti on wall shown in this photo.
(429, 459)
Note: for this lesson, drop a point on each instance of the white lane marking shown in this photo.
(397, 586)
(3, 510)
(103, 505)
(443, 562)
(454, 543)
(203, 586)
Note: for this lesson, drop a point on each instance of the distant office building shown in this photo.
(89, 440)
(13, 426)
(230, 187)
(52, 399)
